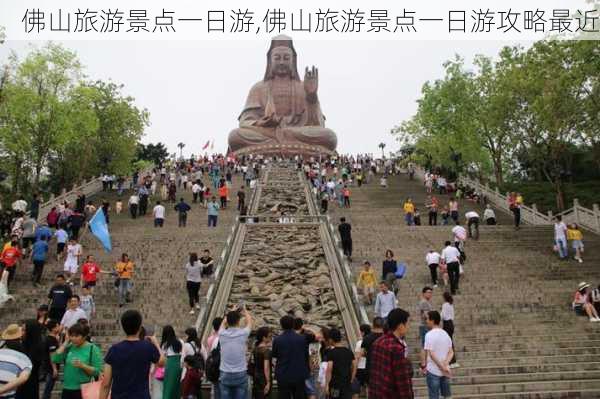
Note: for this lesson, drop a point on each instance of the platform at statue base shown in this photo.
(285, 150)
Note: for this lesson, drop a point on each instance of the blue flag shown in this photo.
(99, 228)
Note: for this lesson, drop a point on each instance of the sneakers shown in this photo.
(594, 319)
(192, 311)
(435, 286)
(197, 306)
(454, 365)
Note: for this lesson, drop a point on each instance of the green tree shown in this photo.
(121, 125)
(56, 129)
(550, 99)
(37, 110)
(445, 126)
(156, 153)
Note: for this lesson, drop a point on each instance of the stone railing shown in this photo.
(235, 239)
(347, 275)
(584, 217)
(587, 218)
(88, 188)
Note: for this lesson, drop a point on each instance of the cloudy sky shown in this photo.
(195, 90)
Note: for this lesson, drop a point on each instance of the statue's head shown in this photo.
(281, 59)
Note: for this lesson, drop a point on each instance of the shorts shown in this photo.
(71, 267)
(437, 385)
(369, 290)
(89, 284)
(362, 377)
(60, 247)
(355, 387)
(310, 386)
(577, 244)
(28, 241)
(579, 310)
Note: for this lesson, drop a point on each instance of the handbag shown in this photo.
(91, 390)
(159, 373)
(400, 271)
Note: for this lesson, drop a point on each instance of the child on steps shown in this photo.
(575, 235)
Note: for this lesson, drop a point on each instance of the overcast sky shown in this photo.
(195, 90)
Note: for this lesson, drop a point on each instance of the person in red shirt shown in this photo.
(89, 272)
(9, 258)
(346, 194)
(191, 385)
(223, 194)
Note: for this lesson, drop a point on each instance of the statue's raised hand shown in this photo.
(311, 81)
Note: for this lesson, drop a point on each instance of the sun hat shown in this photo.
(13, 331)
(583, 285)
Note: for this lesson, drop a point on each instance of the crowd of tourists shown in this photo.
(303, 361)
(70, 300)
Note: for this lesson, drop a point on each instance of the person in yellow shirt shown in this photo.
(575, 235)
(519, 200)
(409, 212)
(367, 281)
(124, 269)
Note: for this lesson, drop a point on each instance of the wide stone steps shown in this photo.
(520, 388)
(515, 333)
(159, 280)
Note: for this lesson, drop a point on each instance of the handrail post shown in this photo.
(596, 217)
(535, 214)
(576, 210)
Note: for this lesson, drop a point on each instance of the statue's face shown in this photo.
(281, 61)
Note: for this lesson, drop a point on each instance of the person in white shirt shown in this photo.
(385, 302)
(460, 234)
(359, 355)
(451, 258)
(489, 215)
(473, 221)
(436, 356)
(159, 214)
(432, 259)
(134, 202)
(196, 190)
(441, 182)
(72, 261)
(73, 313)
(560, 238)
(448, 322)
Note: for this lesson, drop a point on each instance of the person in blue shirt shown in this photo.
(182, 208)
(213, 212)
(291, 351)
(43, 231)
(39, 255)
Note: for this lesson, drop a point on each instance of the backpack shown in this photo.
(198, 358)
(213, 362)
(400, 270)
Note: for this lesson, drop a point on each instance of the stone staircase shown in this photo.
(516, 336)
(159, 280)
